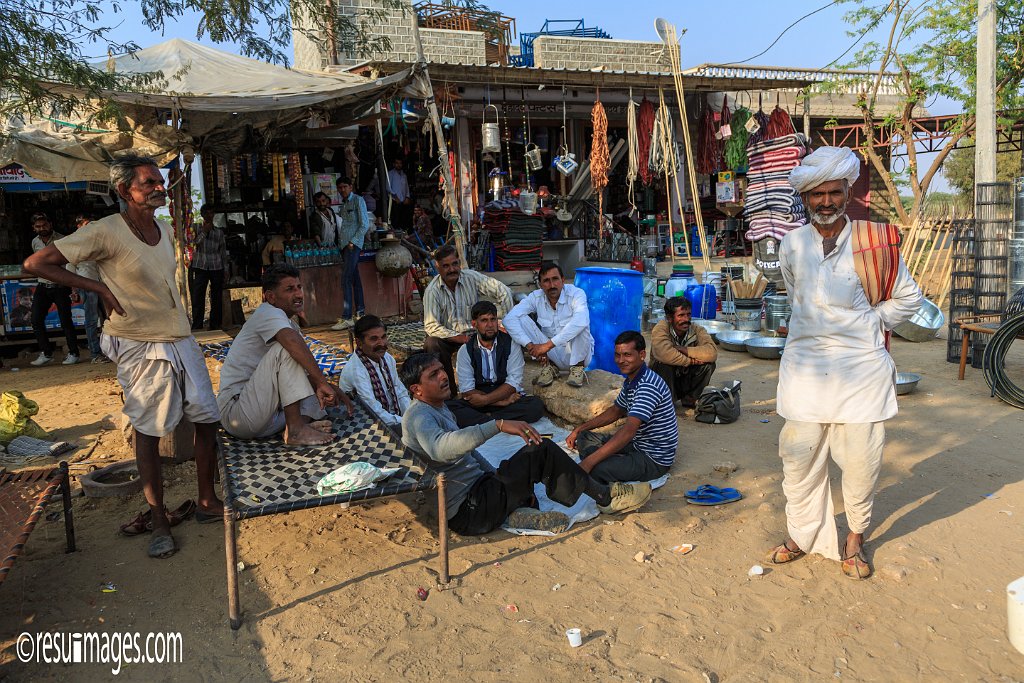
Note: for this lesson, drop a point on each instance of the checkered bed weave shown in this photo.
(331, 359)
(407, 337)
(266, 476)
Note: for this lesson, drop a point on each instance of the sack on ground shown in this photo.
(352, 477)
(719, 405)
(15, 414)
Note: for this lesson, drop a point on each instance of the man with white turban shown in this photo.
(847, 286)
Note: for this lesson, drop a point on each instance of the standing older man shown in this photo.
(448, 303)
(848, 286)
(561, 337)
(159, 364)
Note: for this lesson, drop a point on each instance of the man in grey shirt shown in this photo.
(478, 500)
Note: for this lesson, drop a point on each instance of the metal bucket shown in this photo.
(748, 315)
(776, 310)
(533, 159)
(490, 136)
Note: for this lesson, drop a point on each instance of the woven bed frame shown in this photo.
(23, 497)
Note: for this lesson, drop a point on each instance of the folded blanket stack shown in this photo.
(772, 206)
(517, 238)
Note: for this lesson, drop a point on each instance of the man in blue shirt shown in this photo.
(644, 448)
(355, 223)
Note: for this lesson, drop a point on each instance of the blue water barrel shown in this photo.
(703, 300)
(615, 297)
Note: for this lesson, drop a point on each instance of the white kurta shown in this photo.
(835, 368)
(567, 325)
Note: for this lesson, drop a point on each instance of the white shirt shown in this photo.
(329, 227)
(249, 347)
(355, 379)
(513, 367)
(835, 368)
(567, 320)
(399, 184)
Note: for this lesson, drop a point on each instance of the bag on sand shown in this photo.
(719, 405)
(15, 411)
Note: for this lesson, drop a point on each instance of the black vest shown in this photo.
(502, 349)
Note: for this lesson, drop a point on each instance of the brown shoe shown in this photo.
(856, 566)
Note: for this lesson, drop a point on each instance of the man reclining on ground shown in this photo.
(479, 501)
(270, 380)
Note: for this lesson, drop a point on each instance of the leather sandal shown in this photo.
(782, 554)
(856, 566)
(143, 522)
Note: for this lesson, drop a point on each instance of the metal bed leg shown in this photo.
(231, 554)
(442, 526)
(69, 518)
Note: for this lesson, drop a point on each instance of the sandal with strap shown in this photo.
(782, 553)
(856, 566)
(143, 522)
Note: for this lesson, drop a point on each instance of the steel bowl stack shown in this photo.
(766, 348)
(714, 327)
(735, 340)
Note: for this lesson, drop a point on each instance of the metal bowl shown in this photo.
(766, 348)
(906, 382)
(924, 324)
(735, 340)
(714, 326)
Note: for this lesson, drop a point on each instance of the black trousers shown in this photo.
(44, 297)
(685, 383)
(629, 465)
(445, 348)
(527, 409)
(198, 280)
(494, 496)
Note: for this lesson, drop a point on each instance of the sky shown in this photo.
(715, 32)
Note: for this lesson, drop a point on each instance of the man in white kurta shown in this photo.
(560, 338)
(836, 378)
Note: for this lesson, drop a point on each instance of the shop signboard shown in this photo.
(17, 307)
(10, 175)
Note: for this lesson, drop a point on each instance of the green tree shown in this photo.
(48, 42)
(959, 169)
(929, 50)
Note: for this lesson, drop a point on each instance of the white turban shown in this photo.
(823, 165)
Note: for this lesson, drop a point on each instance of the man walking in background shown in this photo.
(49, 294)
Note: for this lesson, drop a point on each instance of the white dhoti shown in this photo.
(162, 382)
(579, 349)
(805, 448)
(258, 411)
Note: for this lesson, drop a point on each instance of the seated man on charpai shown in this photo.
(480, 501)
(372, 375)
(270, 380)
(490, 367)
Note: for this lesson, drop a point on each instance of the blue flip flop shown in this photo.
(722, 497)
(708, 488)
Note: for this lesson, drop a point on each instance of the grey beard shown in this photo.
(821, 219)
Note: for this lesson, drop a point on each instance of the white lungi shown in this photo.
(805, 448)
(258, 410)
(577, 350)
(162, 382)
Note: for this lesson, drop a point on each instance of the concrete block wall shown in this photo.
(558, 52)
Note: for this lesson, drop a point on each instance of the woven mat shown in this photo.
(267, 476)
(407, 337)
(330, 358)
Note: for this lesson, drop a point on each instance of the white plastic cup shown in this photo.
(575, 637)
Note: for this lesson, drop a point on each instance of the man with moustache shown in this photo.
(270, 380)
(490, 368)
(847, 286)
(49, 294)
(447, 304)
(684, 354)
(560, 338)
(160, 367)
(478, 500)
(372, 374)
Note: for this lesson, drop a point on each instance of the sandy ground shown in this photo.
(330, 594)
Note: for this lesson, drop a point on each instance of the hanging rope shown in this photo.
(645, 135)
(599, 162)
(707, 146)
(633, 146)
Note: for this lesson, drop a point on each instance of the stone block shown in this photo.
(575, 406)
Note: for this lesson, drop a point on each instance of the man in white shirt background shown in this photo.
(560, 338)
(372, 375)
(51, 294)
(490, 367)
(324, 224)
(401, 197)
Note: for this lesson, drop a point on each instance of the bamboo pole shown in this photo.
(669, 150)
(925, 272)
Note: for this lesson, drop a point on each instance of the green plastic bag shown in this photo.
(15, 418)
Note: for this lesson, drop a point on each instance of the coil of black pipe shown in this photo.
(993, 361)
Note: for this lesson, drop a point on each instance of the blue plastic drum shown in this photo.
(703, 300)
(615, 297)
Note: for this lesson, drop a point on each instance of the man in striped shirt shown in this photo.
(644, 448)
(447, 306)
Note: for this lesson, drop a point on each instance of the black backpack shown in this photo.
(719, 405)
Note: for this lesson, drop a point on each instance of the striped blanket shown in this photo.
(876, 256)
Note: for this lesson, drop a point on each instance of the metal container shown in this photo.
(533, 158)
(776, 310)
(713, 327)
(735, 340)
(490, 136)
(924, 324)
(906, 382)
(748, 315)
(766, 348)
